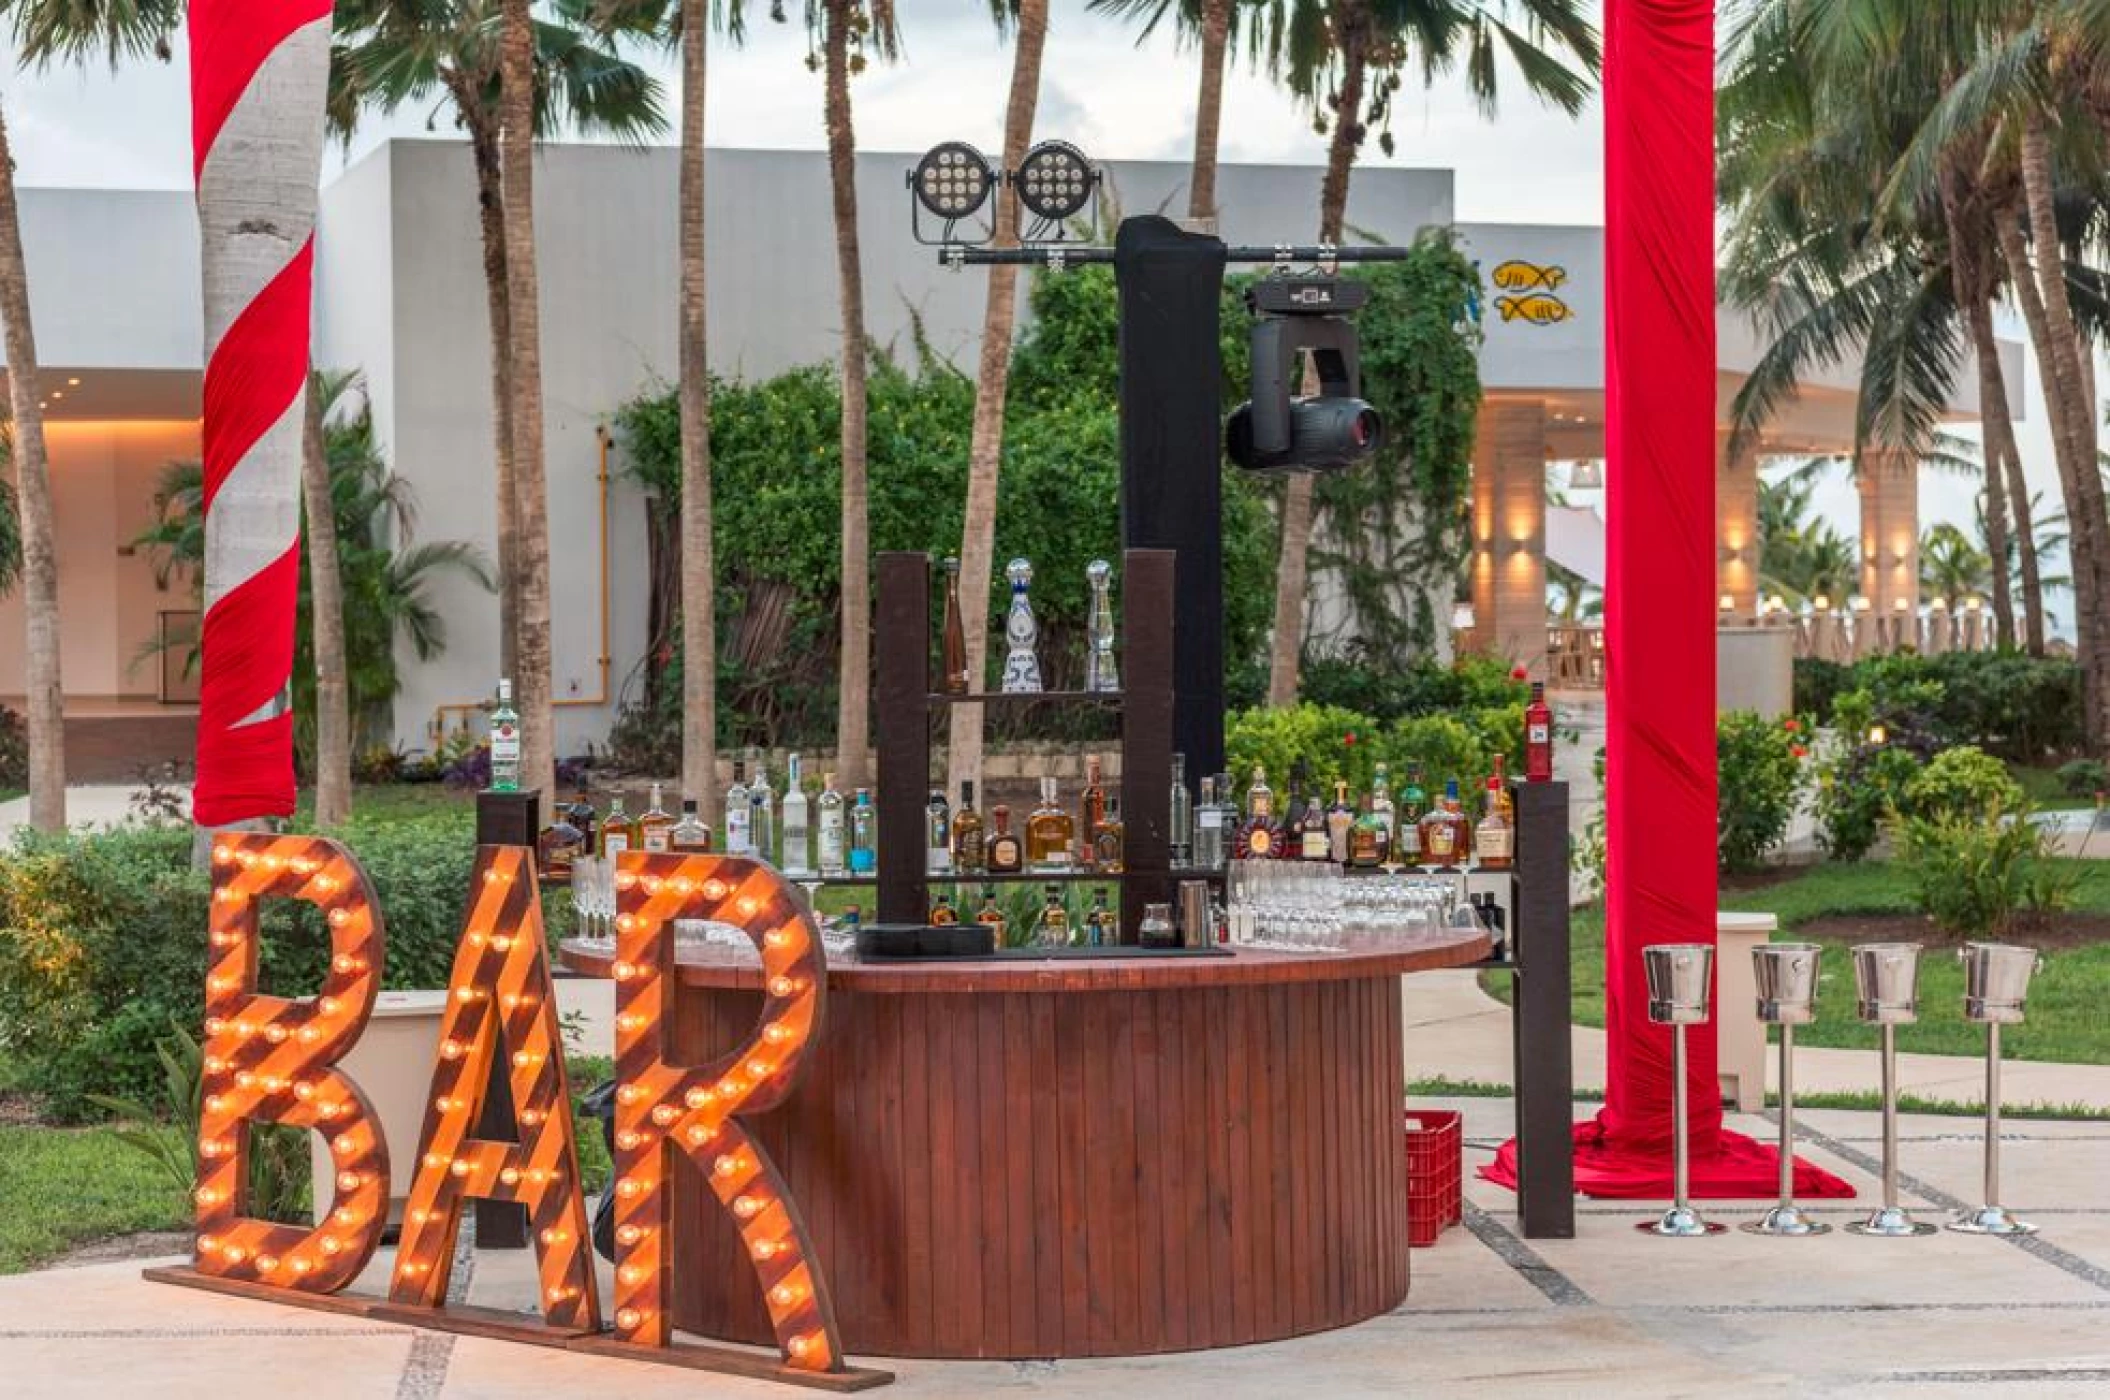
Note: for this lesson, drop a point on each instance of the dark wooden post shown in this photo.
(903, 694)
(1147, 641)
(1545, 1070)
(503, 819)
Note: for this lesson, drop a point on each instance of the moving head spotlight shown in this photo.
(1279, 432)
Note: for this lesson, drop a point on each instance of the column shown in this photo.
(1509, 531)
(1890, 544)
(1736, 527)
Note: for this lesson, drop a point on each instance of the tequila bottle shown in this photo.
(1101, 673)
(1106, 845)
(991, 916)
(1306, 827)
(834, 848)
(653, 827)
(1181, 836)
(762, 814)
(1050, 834)
(942, 913)
(1021, 634)
(689, 836)
(1101, 929)
(1006, 854)
(505, 741)
(739, 815)
(1052, 930)
(864, 834)
(797, 822)
(937, 835)
(970, 855)
(1209, 847)
(956, 682)
(1340, 820)
(1091, 807)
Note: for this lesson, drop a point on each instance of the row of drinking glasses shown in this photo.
(1313, 907)
(593, 910)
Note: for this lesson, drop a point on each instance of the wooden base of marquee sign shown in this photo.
(271, 1060)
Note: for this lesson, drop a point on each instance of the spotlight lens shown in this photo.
(1055, 180)
(952, 180)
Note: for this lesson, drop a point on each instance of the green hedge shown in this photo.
(1335, 743)
(2014, 706)
(102, 941)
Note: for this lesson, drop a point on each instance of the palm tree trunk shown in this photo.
(853, 715)
(490, 205)
(992, 383)
(699, 620)
(1208, 109)
(40, 564)
(531, 672)
(1999, 443)
(1292, 571)
(333, 715)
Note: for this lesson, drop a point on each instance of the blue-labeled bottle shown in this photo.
(864, 846)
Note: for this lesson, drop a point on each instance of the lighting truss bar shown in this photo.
(1061, 255)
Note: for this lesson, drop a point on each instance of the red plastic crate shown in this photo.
(1435, 1173)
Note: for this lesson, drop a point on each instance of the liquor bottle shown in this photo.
(956, 682)
(991, 916)
(937, 835)
(1091, 808)
(1021, 634)
(618, 831)
(1106, 846)
(1306, 832)
(1368, 838)
(1006, 855)
(739, 815)
(1446, 836)
(1260, 838)
(1494, 840)
(505, 742)
(797, 822)
(1293, 800)
(1381, 804)
(1209, 847)
(689, 836)
(1051, 835)
(834, 849)
(1052, 929)
(582, 815)
(1538, 737)
(970, 855)
(1101, 673)
(655, 822)
(762, 814)
(1500, 783)
(864, 833)
(557, 847)
(941, 912)
(1340, 819)
(1181, 835)
(1413, 806)
(1100, 926)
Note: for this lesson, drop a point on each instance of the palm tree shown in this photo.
(446, 53)
(1344, 60)
(847, 33)
(333, 713)
(1952, 568)
(1801, 558)
(1211, 24)
(44, 31)
(992, 384)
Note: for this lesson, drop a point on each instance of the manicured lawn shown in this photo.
(61, 1187)
(2042, 785)
(8, 794)
(384, 801)
(2066, 1001)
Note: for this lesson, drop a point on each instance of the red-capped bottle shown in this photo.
(1538, 736)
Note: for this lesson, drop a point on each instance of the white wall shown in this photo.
(113, 277)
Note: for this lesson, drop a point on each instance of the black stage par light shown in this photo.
(1054, 182)
(952, 182)
(1277, 431)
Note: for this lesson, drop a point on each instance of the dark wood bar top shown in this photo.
(736, 969)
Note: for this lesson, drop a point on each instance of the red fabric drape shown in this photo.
(1660, 602)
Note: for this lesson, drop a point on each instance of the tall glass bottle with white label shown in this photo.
(796, 825)
(505, 742)
(762, 808)
(739, 815)
(834, 848)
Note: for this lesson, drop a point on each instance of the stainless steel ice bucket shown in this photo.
(1787, 982)
(1677, 982)
(1995, 981)
(1886, 978)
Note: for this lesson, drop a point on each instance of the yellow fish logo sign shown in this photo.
(1540, 310)
(1519, 276)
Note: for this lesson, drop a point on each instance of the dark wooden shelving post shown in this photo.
(1147, 580)
(1545, 1070)
(903, 734)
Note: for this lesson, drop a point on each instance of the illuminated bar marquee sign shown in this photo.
(272, 1060)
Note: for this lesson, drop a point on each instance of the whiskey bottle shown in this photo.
(1413, 806)
(1106, 846)
(656, 822)
(1368, 838)
(797, 830)
(618, 832)
(1050, 833)
(941, 912)
(864, 834)
(834, 848)
(1006, 855)
(956, 682)
(1308, 827)
(1180, 837)
(1538, 737)
(1500, 783)
(582, 815)
(505, 742)
(739, 815)
(1260, 838)
(1381, 804)
(1446, 836)
(689, 836)
(762, 814)
(1209, 844)
(969, 847)
(1052, 930)
(1101, 929)
(1494, 841)
(937, 835)
(1091, 808)
(991, 916)
(1340, 819)
(557, 847)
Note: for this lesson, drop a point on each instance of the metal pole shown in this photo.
(1992, 1113)
(1890, 1117)
(1679, 1148)
(1787, 1114)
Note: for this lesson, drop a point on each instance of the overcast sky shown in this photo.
(1099, 89)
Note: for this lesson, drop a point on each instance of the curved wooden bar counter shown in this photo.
(1103, 1157)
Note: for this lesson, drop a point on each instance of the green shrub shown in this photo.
(1974, 875)
(1817, 684)
(1962, 784)
(2084, 777)
(14, 750)
(1760, 776)
(2011, 705)
(1333, 742)
(1423, 687)
(1859, 786)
